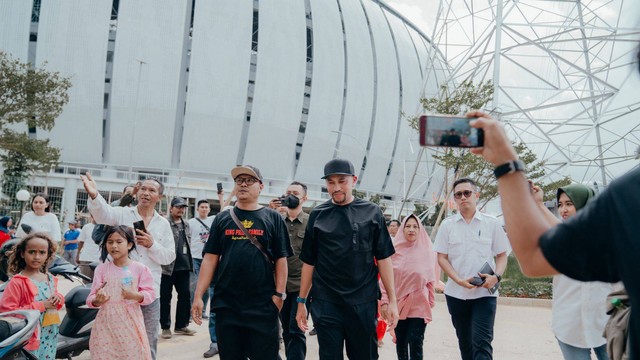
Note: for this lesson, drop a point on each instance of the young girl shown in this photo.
(33, 288)
(119, 288)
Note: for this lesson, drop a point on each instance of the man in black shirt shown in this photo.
(247, 298)
(600, 243)
(177, 274)
(343, 237)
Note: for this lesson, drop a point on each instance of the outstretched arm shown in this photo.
(524, 222)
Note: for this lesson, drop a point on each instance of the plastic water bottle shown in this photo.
(127, 277)
(618, 303)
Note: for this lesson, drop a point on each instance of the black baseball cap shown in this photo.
(338, 167)
(178, 202)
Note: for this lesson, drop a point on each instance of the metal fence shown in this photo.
(11, 206)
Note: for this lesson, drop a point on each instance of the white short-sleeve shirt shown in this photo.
(468, 247)
(199, 235)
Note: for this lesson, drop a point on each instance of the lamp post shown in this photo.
(22, 196)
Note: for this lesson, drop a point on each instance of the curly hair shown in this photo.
(124, 231)
(16, 260)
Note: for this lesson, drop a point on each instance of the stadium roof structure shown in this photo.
(565, 76)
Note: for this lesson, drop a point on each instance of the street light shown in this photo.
(22, 196)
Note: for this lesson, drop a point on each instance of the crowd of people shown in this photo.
(265, 269)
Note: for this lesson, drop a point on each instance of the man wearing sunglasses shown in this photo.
(248, 256)
(464, 243)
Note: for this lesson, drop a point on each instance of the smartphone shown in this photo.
(449, 131)
(219, 185)
(139, 225)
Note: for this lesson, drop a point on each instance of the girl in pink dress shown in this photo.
(119, 288)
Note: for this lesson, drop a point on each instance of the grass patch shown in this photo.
(515, 284)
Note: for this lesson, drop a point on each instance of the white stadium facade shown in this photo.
(185, 90)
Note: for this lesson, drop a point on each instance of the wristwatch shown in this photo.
(282, 295)
(508, 168)
(499, 277)
(300, 300)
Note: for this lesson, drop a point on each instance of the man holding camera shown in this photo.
(296, 220)
(464, 243)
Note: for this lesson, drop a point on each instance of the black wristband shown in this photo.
(508, 168)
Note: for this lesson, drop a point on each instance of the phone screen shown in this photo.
(450, 131)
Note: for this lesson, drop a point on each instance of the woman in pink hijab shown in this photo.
(415, 273)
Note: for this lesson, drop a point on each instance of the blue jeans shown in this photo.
(473, 320)
(575, 353)
(194, 281)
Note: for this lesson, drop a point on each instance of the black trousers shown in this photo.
(241, 337)
(295, 343)
(409, 338)
(179, 280)
(341, 324)
(473, 320)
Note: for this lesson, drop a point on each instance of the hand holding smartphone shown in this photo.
(139, 225)
(449, 131)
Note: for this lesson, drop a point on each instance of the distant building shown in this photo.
(188, 89)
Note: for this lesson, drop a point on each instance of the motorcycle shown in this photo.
(16, 328)
(75, 329)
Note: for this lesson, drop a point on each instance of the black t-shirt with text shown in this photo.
(602, 243)
(244, 278)
(342, 242)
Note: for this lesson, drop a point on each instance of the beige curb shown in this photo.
(513, 301)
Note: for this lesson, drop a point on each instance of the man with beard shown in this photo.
(343, 237)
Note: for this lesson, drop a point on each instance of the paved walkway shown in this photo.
(521, 332)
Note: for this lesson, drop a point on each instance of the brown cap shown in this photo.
(246, 170)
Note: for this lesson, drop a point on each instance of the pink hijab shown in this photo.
(415, 272)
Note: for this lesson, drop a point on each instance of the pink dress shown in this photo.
(119, 331)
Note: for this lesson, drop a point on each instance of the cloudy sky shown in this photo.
(420, 12)
(613, 62)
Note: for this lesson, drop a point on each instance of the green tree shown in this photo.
(457, 101)
(29, 98)
(475, 167)
(375, 198)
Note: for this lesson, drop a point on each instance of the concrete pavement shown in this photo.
(521, 332)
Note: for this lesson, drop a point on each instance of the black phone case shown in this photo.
(139, 225)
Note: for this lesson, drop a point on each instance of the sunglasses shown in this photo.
(466, 193)
(248, 180)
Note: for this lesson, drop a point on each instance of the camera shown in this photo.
(290, 201)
